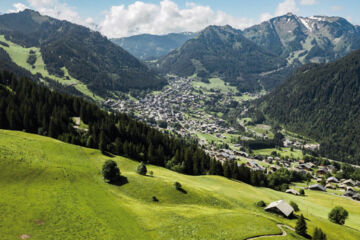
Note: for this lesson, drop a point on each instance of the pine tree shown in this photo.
(319, 234)
(227, 170)
(301, 226)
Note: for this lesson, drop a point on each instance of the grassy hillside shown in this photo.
(53, 190)
(19, 55)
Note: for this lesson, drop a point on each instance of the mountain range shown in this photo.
(264, 55)
(149, 47)
(222, 51)
(71, 54)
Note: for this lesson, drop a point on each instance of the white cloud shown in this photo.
(55, 9)
(166, 17)
(18, 7)
(308, 2)
(265, 16)
(285, 7)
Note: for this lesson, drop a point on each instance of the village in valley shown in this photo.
(189, 108)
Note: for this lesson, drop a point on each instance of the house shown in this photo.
(292, 191)
(317, 187)
(330, 186)
(350, 189)
(322, 171)
(349, 194)
(254, 166)
(332, 180)
(356, 197)
(280, 207)
(342, 186)
(349, 182)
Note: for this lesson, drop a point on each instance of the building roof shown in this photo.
(292, 191)
(317, 187)
(282, 206)
(332, 179)
(349, 182)
(349, 194)
(356, 197)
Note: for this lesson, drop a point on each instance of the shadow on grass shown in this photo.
(119, 182)
(110, 155)
(182, 190)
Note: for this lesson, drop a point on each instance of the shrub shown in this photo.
(261, 203)
(151, 173)
(295, 206)
(155, 199)
(319, 234)
(302, 192)
(301, 226)
(141, 169)
(110, 171)
(338, 215)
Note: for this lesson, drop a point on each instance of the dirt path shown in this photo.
(283, 234)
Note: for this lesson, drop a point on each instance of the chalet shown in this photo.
(274, 168)
(280, 207)
(292, 191)
(330, 186)
(356, 197)
(331, 168)
(342, 186)
(317, 187)
(254, 166)
(349, 194)
(350, 189)
(332, 180)
(322, 171)
(349, 182)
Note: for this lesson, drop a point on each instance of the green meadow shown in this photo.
(20, 54)
(216, 84)
(53, 190)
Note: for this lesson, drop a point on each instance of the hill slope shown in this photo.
(149, 47)
(223, 52)
(53, 190)
(323, 102)
(74, 53)
(306, 39)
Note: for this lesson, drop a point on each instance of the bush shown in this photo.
(301, 226)
(141, 169)
(151, 173)
(261, 203)
(338, 215)
(110, 171)
(155, 199)
(295, 206)
(319, 234)
(302, 192)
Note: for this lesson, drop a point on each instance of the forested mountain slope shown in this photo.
(74, 53)
(223, 52)
(322, 101)
(150, 47)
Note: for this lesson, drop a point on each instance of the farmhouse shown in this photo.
(349, 194)
(356, 197)
(349, 182)
(332, 180)
(280, 207)
(322, 171)
(292, 191)
(317, 187)
(330, 186)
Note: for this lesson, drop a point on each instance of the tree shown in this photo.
(177, 185)
(302, 192)
(110, 171)
(141, 169)
(295, 206)
(261, 203)
(338, 215)
(319, 234)
(301, 226)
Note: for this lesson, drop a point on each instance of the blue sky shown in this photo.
(117, 18)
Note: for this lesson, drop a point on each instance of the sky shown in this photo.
(122, 18)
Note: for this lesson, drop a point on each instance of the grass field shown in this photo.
(19, 56)
(286, 152)
(53, 190)
(216, 84)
